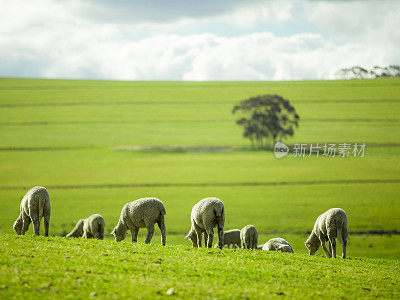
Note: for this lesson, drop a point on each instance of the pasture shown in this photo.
(99, 144)
(82, 269)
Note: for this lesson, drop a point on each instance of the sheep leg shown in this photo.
(326, 250)
(205, 237)
(36, 225)
(199, 234)
(332, 239)
(344, 249)
(220, 237)
(254, 245)
(100, 234)
(199, 237)
(247, 242)
(210, 233)
(46, 226)
(333, 242)
(161, 225)
(134, 232)
(86, 235)
(46, 221)
(150, 232)
(96, 231)
(324, 247)
(34, 214)
(25, 223)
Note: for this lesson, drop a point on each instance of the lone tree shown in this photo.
(266, 117)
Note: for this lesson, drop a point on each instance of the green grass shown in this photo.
(48, 268)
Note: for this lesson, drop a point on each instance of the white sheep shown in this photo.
(231, 238)
(34, 206)
(249, 237)
(207, 214)
(92, 227)
(278, 244)
(330, 225)
(141, 213)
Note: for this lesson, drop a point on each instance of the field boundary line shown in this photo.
(42, 148)
(175, 148)
(206, 184)
(49, 123)
(166, 102)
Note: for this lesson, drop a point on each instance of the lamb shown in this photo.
(34, 206)
(92, 227)
(278, 244)
(141, 213)
(207, 214)
(330, 225)
(231, 238)
(249, 237)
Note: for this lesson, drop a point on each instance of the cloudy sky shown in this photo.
(195, 40)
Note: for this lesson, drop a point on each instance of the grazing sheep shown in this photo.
(141, 213)
(34, 206)
(278, 244)
(207, 214)
(330, 225)
(231, 239)
(249, 237)
(92, 227)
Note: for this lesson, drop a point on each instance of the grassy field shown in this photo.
(70, 136)
(49, 268)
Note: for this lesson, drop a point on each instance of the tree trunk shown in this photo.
(252, 142)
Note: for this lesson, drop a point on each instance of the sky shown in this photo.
(196, 40)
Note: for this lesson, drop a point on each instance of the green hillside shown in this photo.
(77, 139)
(59, 268)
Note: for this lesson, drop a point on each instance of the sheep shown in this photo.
(34, 206)
(260, 247)
(231, 238)
(141, 213)
(278, 244)
(92, 227)
(207, 214)
(330, 225)
(249, 237)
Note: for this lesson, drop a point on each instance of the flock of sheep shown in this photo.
(206, 215)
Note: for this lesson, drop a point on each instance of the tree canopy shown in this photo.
(266, 117)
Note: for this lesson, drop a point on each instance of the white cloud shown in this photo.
(355, 19)
(53, 40)
(374, 23)
(258, 56)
